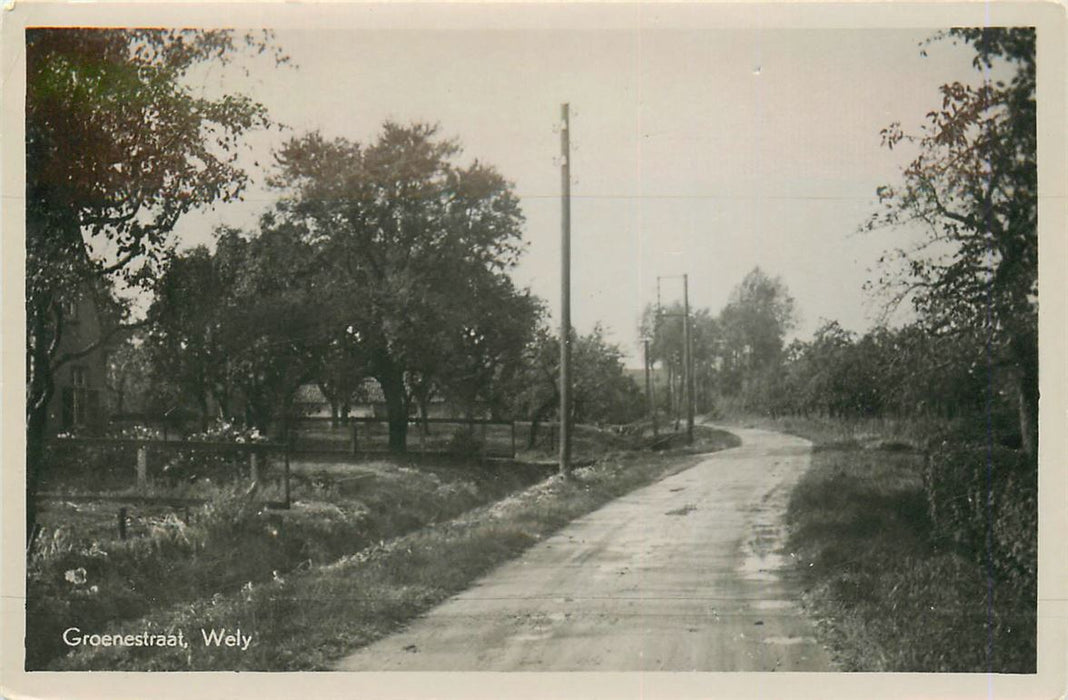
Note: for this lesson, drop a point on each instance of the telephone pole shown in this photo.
(565, 292)
(649, 388)
(687, 354)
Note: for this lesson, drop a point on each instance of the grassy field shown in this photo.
(375, 545)
(888, 595)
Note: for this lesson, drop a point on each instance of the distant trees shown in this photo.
(973, 280)
(753, 324)
(741, 362)
(736, 354)
(665, 332)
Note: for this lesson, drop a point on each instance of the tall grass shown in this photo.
(889, 594)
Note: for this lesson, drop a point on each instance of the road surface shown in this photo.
(688, 574)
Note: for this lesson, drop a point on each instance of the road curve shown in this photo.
(687, 574)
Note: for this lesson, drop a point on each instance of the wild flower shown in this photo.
(76, 576)
(95, 550)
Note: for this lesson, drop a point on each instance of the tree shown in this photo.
(412, 242)
(483, 355)
(185, 341)
(538, 387)
(664, 328)
(754, 324)
(602, 391)
(118, 148)
(129, 376)
(241, 326)
(973, 189)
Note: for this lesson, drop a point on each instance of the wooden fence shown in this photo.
(370, 435)
(140, 475)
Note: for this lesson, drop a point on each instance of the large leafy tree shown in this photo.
(415, 246)
(973, 188)
(118, 148)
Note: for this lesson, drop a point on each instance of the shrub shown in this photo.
(78, 467)
(187, 466)
(984, 499)
(465, 443)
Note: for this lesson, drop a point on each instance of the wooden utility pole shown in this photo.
(565, 291)
(649, 388)
(687, 356)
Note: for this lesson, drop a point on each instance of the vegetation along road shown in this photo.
(686, 574)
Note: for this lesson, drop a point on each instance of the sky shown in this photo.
(700, 151)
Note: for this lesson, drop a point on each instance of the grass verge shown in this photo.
(81, 574)
(307, 619)
(887, 594)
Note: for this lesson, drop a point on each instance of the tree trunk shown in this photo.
(35, 438)
(392, 382)
(40, 389)
(1024, 347)
(202, 404)
(423, 399)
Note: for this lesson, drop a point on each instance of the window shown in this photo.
(78, 395)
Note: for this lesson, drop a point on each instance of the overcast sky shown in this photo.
(704, 151)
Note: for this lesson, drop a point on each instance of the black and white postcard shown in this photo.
(543, 350)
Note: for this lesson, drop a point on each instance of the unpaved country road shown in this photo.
(684, 575)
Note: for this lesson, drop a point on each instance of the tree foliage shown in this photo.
(118, 148)
(973, 189)
(601, 390)
(415, 251)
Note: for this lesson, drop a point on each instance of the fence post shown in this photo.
(254, 466)
(122, 523)
(513, 439)
(355, 437)
(142, 466)
(285, 450)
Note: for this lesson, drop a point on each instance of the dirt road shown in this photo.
(684, 575)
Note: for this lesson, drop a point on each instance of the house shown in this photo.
(310, 402)
(77, 403)
(368, 401)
